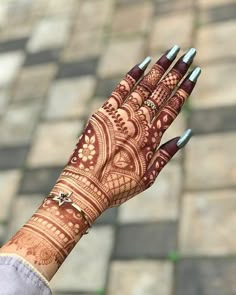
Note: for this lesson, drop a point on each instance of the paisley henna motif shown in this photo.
(116, 158)
(125, 142)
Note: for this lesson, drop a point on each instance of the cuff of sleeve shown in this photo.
(29, 266)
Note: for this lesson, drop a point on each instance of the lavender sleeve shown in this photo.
(18, 277)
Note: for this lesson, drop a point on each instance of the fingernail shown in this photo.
(195, 74)
(184, 138)
(172, 53)
(189, 56)
(144, 64)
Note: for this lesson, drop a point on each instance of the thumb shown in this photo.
(163, 156)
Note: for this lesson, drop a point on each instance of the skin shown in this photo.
(116, 158)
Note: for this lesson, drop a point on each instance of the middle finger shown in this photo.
(164, 89)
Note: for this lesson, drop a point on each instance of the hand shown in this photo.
(117, 155)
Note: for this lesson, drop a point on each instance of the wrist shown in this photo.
(85, 191)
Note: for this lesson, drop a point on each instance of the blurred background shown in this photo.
(59, 60)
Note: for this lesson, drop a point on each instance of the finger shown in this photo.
(165, 88)
(122, 90)
(163, 156)
(149, 82)
(175, 103)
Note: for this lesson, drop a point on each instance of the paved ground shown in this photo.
(59, 59)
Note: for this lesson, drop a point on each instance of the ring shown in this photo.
(150, 104)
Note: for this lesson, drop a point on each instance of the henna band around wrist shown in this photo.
(63, 198)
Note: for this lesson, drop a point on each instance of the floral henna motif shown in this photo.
(115, 159)
(124, 142)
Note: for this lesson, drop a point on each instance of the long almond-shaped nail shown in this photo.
(172, 53)
(189, 56)
(184, 138)
(144, 64)
(195, 74)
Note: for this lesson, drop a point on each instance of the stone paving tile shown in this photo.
(25, 10)
(220, 119)
(159, 202)
(18, 124)
(9, 182)
(209, 3)
(39, 181)
(12, 32)
(170, 6)
(140, 277)
(94, 105)
(219, 13)
(108, 217)
(4, 98)
(106, 86)
(211, 91)
(86, 267)
(33, 82)
(42, 57)
(210, 162)
(69, 98)
(132, 19)
(206, 276)
(49, 33)
(13, 157)
(20, 18)
(114, 62)
(161, 31)
(75, 293)
(79, 68)
(212, 40)
(127, 2)
(23, 208)
(62, 8)
(55, 141)
(211, 217)
(93, 15)
(13, 45)
(9, 66)
(150, 240)
(79, 46)
(3, 14)
(2, 234)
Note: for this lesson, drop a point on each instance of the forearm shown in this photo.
(49, 235)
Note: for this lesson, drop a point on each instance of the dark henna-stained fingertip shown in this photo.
(185, 61)
(190, 81)
(170, 147)
(167, 58)
(137, 71)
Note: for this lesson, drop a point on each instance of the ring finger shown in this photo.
(165, 88)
